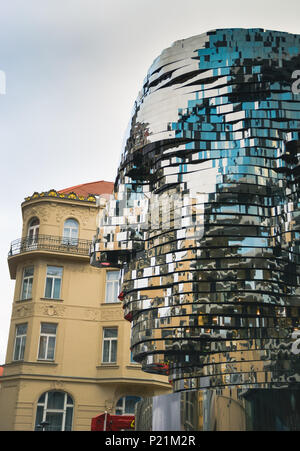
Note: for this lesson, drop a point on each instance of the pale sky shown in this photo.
(73, 69)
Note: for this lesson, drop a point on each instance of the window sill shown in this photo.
(23, 300)
(28, 362)
(52, 299)
(44, 361)
(108, 366)
(110, 303)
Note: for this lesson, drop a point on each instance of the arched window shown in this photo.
(125, 405)
(70, 233)
(33, 231)
(54, 411)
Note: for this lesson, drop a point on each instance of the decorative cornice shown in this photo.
(52, 193)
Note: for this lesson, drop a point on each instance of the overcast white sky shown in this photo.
(73, 70)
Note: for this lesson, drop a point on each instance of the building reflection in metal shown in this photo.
(223, 409)
(205, 221)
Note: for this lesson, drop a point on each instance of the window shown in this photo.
(20, 340)
(112, 286)
(70, 233)
(27, 283)
(47, 341)
(56, 409)
(110, 338)
(33, 231)
(125, 405)
(53, 282)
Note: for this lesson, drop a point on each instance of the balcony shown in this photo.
(47, 244)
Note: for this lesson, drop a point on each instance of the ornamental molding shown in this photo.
(22, 311)
(52, 193)
(51, 310)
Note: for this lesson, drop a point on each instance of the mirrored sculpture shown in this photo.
(205, 224)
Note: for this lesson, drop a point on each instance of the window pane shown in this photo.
(55, 400)
(130, 402)
(110, 333)
(29, 288)
(55, 421)
(112, 275)
(69, 415)
(42, 347)
(74, 233)
(115, 292)
(48, 289)
(17, 348)
(51, 347)
(113, 351)
(71, 223)
(49, 328)
(21, 329)
(39, 417)
(109, 292)
(56, 293)
(105, 351)
(28, 271)
(41, 399)
(22, 350)
(54, 271)
(24, 291)
(34, 222)
(120, 403)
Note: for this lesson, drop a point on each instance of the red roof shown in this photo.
(100, 187)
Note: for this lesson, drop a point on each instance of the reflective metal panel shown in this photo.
(205, 219)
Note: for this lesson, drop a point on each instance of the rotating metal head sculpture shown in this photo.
(205, 218)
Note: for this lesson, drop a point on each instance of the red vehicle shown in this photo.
(107, 422)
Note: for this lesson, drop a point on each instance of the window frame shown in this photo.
(113, 283)
(53, 277)
(28, 278)
(22, 338)
(63, 411)
(48, 336)
(122, 408)
(33, 231)
(67, 238)
(110, 340)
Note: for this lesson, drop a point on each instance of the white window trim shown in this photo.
(67, 238)
(109, 339)
(63, 411)
(112, 282)
(52, 288)
(22, 338)
(23, 280)
(33, 240)
(48, 335)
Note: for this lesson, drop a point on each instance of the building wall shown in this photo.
(80, 314)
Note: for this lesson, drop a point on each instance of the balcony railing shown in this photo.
(50, 243)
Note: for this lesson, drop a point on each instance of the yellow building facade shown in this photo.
(68, 354)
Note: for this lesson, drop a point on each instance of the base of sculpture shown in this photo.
(225, 409)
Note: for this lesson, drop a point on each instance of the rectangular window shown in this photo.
(20, 340)
(53, 282)
(112, 286)
(47, 341)
(110, 339)
(27, 283)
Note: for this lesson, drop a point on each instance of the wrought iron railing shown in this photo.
(50, 243)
